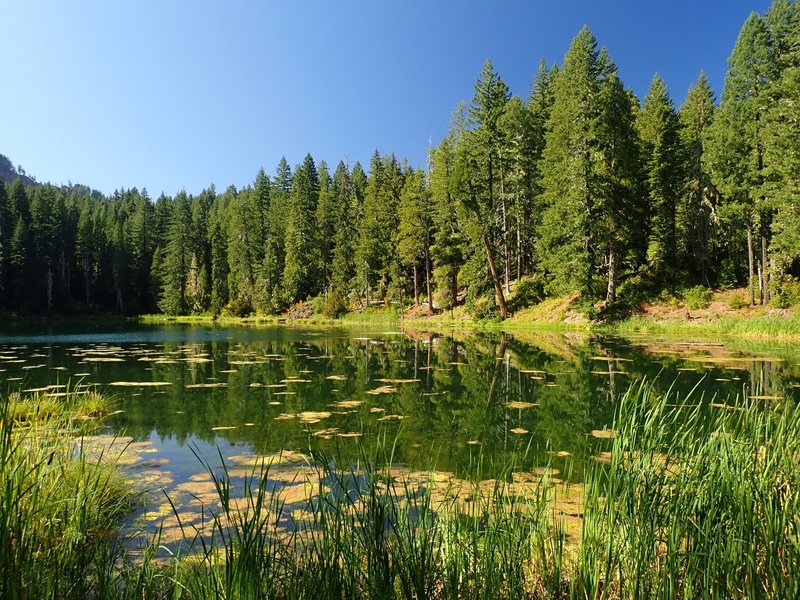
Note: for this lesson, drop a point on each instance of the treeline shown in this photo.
(579, 189)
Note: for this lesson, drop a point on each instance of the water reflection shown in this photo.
(445, 399)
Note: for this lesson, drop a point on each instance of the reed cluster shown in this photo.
(690, 498)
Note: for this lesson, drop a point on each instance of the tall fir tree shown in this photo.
(699, 198)
(177, 258)
(736, 152)
(414, 231)
(479, 174)
(659, 132)
(300, 274)
(344, 232)
(569, 167)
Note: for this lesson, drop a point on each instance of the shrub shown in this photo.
(789, 295)
(528, 290)
(698, 297)
(737, 301)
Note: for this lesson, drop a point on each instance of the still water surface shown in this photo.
(535, 398)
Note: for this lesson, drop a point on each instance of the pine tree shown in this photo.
(479, 173)
(697, 214)
(218, 240)
(736, 152)
(344, 231)
(446, 250)
(659, 132)
(414, 230)
(618, 208)
(300, 274)
(569, 166)
(781, 132)
(177, 258)
(326, 222)
(375, 251)
(6, 232)
(518, 158)
(44, 229)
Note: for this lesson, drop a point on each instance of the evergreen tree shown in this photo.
(569, 166)
(241, 262)
(698, 201)
(659, 132)
(446, 250)
(6, 231)
(326, 222)
(479, 173)
(376, 240)
(177, 258)
(518, 158)
(300, 274)
(736, 151)
(44, 229)
(218, 241)
(414, 230)
(781, 132)
(344, 232)
(618, 210)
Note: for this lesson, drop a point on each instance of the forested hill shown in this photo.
(8, 172)
(581, 189)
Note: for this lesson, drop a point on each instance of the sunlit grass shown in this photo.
(689, 498)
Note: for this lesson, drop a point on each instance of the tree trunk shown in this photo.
(428, 279)
(611, 294)
(764, 259)
(498, 288)
(416, 288)
(750, 266)
(506, 266)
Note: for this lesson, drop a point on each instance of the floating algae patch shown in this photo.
(603, 434)
(393, 418)
(139, 383)
(384, 389)
(311, 416)
(348, 403)
(278, 458)
(102, 359)
(195, 386)
(519, 405)
(326, 434)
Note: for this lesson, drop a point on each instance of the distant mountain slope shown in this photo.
(9, 173)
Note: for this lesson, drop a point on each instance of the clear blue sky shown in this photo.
(173, 95)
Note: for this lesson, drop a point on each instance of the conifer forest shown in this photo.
(581, 189)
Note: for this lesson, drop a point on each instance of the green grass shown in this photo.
(58, 507)
(760, 326)
(692, 498)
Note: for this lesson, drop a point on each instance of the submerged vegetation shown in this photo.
(691, 497)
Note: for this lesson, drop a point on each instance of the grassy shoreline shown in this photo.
(710, 508)
(785, 327)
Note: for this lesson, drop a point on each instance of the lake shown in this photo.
(441, 400)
